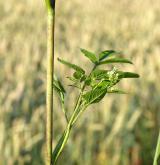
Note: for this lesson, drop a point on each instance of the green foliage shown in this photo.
(22, 97)
(115, 60)
(99, 74)
(93, 87)
(57, 85)
(90, 55)
(73, 66)
(97, 93)
(105, 54)
(116, 91)
(79, 76)
(127, 75)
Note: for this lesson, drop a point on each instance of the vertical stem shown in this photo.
(49, 94)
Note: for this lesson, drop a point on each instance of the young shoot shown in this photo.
(92, 88)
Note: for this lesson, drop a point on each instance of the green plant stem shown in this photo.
(76, 113)
(64, 111)
(49, 93)
(64, 138)
(79, 113)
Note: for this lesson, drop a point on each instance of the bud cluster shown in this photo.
(113, 76)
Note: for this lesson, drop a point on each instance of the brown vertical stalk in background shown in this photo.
(50, 72)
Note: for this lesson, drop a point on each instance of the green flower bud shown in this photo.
(113, 76)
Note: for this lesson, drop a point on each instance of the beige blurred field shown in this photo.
(122, 130)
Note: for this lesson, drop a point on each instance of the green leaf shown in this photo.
(73, 66)
(77, 75)
(76, 82)
(127, 75)
(83, 78)
(90, 55)
(106, 54)
(57, 85)
(88, 81)
(96, 94)
(73, 79)
(99, 74)
(115, 60)
(117, 91)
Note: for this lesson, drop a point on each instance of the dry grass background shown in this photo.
(122, 130)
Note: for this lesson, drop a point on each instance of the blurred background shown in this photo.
(122, 129)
